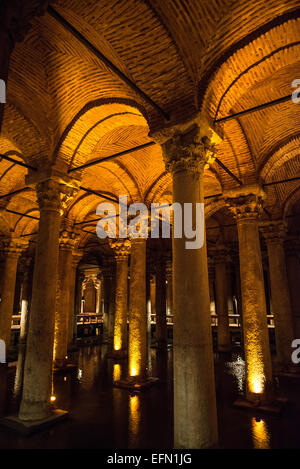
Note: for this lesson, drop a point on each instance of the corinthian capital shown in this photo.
(54, 196)
(14, 246)
(188, 150)
(189, 145)
(121, 248)
(68, 239)
(273, 231)
(245, 202)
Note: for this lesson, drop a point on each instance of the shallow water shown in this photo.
(102, 416)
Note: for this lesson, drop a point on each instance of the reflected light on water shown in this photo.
(237, 369)
(117, 372)
(260, 434)
(134, 417)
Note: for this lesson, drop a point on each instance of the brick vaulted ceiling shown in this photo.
(65, 107)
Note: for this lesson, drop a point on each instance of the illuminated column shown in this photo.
(245, 204)
(12, 249)
(122, 251)
(72, 317)
(112, 302)
(195, 416)
(25, 308)
(108, 303)
(137, 344)
(169, 288)
(153, 293)
(224, 339)
(274, 233)
(161, 301)
(52, 196)
(148, 308)
(292, 246)
(98, 294)
(65, 278)
(211, 279)
(237, 287)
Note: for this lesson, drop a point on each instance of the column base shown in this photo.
(117, 354)
(29, 427)
(275, 407)
(139, 384)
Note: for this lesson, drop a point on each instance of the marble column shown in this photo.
(169, 288)
(111, 304)
(211, 281)
(148, 308)
(153, 293)
(65, 279)
(224, 338)
(137, 341)
(25, 309)
(73, 309)
(12, 248)
(237, 287)
(161, 302)
(52, 197)
(292, 247)
(78, 299)
(274, 233)
(121, 249)
(186, 154)
(245, 203)
(108, 303)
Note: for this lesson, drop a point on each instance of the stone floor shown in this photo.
(102, 416)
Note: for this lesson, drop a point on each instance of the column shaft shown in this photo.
(8, 295)
(224, 339)
(137, 344)
(195, 417)
(293, 272)
(35, 403)
(63, 306)
(281, 304)
(255, 329)
(72, 314)
(120, 326)
(161, 319)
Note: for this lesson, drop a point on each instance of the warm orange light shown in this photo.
(255, 367)
(257, 387)
(53, 398)
(133, 371)
(134, 417)
(117, 372)
(260, 434)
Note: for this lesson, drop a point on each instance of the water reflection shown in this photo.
(134, 419)
(88, 362)
(260, 434)
(238, 370)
